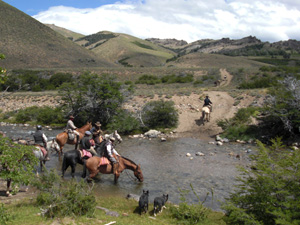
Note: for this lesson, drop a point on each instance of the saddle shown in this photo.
(71, 135)
(86, 154)
(44, 151)
(103, 161)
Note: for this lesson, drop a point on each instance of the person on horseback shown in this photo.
(97, 129)
(207, 103)
(72, 127)
(87, 144)
(110, 150)
(41, 140)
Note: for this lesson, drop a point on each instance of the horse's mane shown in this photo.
(129, 160)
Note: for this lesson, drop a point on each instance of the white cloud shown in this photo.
(189, 20)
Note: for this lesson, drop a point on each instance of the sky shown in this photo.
(189, 20)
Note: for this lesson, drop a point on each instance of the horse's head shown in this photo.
(138, 173)
(117, 136)
(54, 145)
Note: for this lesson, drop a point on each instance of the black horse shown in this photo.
(71, 158)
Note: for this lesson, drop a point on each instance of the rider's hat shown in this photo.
(88, 133)
(71, 117)
(98, 124)
(112, 139)
(38, 127)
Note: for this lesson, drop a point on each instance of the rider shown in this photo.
(72, 127)
(41, 140)
(208, 103)
(86, 143)
(97, 129)
(110, 150)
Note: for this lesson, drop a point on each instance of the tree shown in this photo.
(268, 192)
(17, 161)
(282, 108)
(159, 114)
(92, 97)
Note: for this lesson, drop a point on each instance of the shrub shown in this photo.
(268, 193)
(238, 127)
(4, 215)
(189, 214)
(59, 198)
(148, 79)
(160, 114)
(43, 115)
(124, 122)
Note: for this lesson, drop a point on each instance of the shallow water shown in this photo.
(165, 167)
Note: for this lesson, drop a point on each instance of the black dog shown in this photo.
(159, 203)
(143, 202)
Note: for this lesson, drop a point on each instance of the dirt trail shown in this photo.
(189, 107)
(226, 77)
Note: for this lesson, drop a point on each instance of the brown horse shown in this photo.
(92, 164)
(62, 138)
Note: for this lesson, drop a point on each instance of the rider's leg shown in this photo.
(114, 163)
(47, 153)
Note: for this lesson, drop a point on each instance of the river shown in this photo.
(165, 166)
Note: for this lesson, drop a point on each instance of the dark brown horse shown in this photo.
(62, 138)
(92, 164)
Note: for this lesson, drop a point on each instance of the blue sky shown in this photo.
(189, 20)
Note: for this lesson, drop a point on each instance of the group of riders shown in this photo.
(88, 143)
(91, 138)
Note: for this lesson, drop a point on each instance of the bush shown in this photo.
(268, 193)
(59, 198)
(160, 114)
(4, 215)
(189, 214)
(124, 122)
(239, 126)
(41, 115)
(148, 79)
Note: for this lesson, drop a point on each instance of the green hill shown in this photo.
(65, 32)
(125, 49)
(27, 43)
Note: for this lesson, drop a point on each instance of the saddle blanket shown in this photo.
(103, 161)
(86, 153)
(44, 151)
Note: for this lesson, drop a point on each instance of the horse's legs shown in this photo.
(116, 177)
(73, 166)
(83, 175)
(8, 187)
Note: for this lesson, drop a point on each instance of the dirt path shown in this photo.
(226, 77)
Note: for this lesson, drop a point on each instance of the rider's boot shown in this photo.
(47, 157)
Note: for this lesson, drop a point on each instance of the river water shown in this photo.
(165, 166)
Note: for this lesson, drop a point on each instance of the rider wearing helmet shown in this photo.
(72, 127)
(41, 140)
(87, 143)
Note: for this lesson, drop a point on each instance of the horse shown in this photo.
(115, 134)
(71, 158)
(92, 164)
(205, 114)
(62, 138)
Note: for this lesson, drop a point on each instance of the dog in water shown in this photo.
(143, 202)
(159, 203)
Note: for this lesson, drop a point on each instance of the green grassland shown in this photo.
(26, 212)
